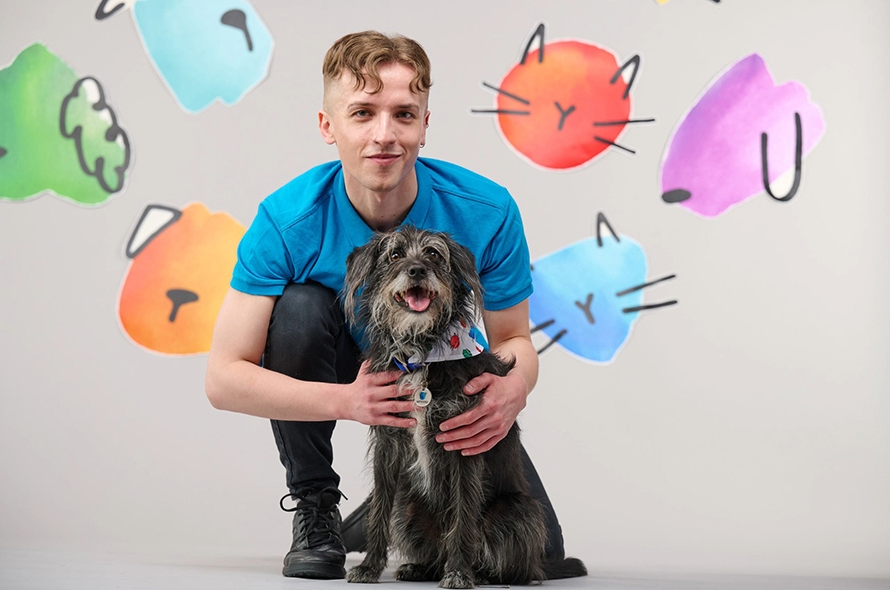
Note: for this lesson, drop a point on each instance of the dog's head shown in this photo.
(409, 284)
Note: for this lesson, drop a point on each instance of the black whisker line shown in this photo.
(627, 149)
(500, 112)
(543, 325)
(650, 306)
(505, 93)
(644, 285)
(611, 123)
(553, 341)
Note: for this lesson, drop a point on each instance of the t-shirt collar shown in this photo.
(359, 231)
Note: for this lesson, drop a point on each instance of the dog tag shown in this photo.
(422, 397)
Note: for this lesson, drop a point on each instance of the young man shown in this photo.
(281, 349)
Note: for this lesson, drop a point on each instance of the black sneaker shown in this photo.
(317, 551)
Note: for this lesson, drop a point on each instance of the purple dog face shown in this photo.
(743, 131)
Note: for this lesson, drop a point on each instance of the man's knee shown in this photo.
(307, 304)
(306, 322)
(308, 310)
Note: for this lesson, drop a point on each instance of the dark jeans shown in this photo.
(308, 340)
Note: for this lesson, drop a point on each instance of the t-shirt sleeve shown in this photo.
(264, 265)
(506, 266)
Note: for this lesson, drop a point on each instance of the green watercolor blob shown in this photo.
(38, 93)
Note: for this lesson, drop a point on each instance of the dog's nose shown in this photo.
(417, 271)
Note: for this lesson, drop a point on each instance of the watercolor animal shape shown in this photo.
(58, 133)
(565, 102)
(205, 50)
(741, 135)
(588, 296)
(181, 263)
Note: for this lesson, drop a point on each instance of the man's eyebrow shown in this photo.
(404, 106)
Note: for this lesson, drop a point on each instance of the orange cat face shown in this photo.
(564, 103)
(181, 266)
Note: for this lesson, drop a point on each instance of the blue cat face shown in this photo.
(205, 49)
(588, 296)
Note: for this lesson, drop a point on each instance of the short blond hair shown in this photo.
(361, 54)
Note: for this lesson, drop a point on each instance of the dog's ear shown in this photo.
(463, 267)
(360, 263)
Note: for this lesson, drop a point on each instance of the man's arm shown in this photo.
(236, 382)
(481, 428)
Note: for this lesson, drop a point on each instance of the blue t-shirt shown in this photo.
(306, 229)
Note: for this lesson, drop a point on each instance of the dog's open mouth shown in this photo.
(416, 299)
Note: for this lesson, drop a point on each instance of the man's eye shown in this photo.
(361, 113)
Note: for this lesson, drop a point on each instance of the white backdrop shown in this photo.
(743, 430)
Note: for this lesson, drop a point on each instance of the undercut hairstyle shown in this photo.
(361, 54)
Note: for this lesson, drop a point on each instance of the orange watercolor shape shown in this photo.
(565, 102)
(181, 265)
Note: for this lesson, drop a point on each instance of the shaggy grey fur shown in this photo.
(460, 520)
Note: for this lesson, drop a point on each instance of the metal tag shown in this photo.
(422, 397)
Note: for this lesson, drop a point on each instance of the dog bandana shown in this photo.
(460, 341)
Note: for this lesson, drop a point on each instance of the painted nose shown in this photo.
(417, 271)
(237, 19)
(678, 195)
(180, 297)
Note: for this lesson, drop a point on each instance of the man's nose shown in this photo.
(385, 131)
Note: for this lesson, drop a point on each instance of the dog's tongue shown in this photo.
(417, 299)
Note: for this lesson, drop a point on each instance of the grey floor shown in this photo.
(72, 570)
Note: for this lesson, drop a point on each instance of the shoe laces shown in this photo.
(315, 516)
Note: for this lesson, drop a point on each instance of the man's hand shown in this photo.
(235, 381)
(371, 400)
(481, 428)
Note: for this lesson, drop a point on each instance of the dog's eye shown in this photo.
(433, 253)
(395, 255)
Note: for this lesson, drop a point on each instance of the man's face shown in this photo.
(378, 136)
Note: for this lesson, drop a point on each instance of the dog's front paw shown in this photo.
(416, 572)
(364, 574)
(457, 579)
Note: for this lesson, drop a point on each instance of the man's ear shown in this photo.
(324, 126)
(426, 123)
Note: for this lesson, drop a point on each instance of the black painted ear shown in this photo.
(539, 35)
(798, 161)
(633, 61)
(463, 267)
(360, 263)
(102, 12)
(600, 221)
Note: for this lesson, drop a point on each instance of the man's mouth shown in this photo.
(385, 158)
(416, 299)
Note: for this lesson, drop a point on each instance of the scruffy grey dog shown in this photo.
(461, 520)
